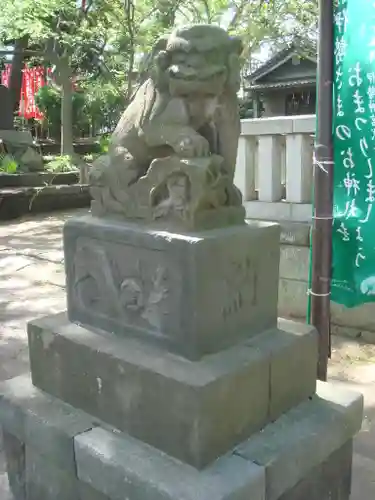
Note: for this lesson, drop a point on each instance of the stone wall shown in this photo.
(294, 268)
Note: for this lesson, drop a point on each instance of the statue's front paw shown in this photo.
(195, 146)
(99, 166)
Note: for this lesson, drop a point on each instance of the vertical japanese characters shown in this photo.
(353, 244)
(354, 130)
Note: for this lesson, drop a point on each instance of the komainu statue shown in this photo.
(172, 155)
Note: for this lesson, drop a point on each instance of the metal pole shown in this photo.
(323, 190)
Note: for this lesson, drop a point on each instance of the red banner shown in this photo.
(39, 82)
(27, 94)
(5, 75)
(32, 81)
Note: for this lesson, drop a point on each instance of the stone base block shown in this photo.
(304, 455)
(330, 480)
(38, 434)
(46, 481)
(194, 411)
(15, 462)
(194, 294)
(122, 467)
(46, 424)
(299, 449)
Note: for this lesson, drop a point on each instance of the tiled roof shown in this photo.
(281, 85)
(278, 59)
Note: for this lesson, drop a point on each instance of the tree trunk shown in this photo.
(64, 80)
(67, 148)
(15, 80)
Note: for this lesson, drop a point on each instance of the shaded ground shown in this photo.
(32, 285)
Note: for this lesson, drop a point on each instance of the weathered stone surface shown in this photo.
(87, 492)
(172, 155)
(294, 233)
(46, 424)
(178, 193)
(292, 298)
(305, 455)
(194, 293)
(294, 262)
(304, 438)
(46, 481)
(122, 467)
(330, 480)
(15, 461)
(293, 349)
(168, 401)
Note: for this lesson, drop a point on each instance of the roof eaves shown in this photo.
(277, 60)
(271, 64)
(281, 85)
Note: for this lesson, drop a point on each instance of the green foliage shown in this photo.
(61, 164)
(8, 164)
(106, 43)
(104, 143)
(246, 109)
(48, 100)
(96, 109)
(103, 104)
(109, 32)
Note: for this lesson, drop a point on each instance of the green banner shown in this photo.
(353, 239)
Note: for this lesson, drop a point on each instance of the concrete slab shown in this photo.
(122, 467)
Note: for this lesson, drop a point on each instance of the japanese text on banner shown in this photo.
(353, 270)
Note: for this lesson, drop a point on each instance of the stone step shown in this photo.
(172, 403)
(38, 179)
(68, 455)
(18, 201)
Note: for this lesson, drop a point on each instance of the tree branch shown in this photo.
(129, 10)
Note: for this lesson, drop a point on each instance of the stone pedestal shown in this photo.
(170, 377)
(193, 294)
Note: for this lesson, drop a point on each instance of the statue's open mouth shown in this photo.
(192, 74)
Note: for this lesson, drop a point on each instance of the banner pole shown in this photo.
(323, 190)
